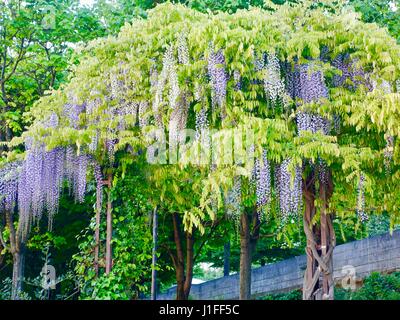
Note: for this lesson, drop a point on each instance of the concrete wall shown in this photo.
(380, 253)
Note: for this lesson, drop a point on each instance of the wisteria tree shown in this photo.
(291, 111)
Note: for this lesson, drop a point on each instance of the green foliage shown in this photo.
(36, 38)
(5, 290)
(132, 245)
(292, 295)
(381, 12)
(40, 240)
(375, 287)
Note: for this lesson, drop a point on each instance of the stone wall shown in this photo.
(380, 253)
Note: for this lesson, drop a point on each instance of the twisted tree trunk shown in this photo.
(318, 278)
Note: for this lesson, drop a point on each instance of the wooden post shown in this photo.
(154, 260)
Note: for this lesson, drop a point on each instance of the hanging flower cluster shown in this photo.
(143, 114)
(233, 200)
(34, 185)
(183, 50)
(259, 61)
(351, 76)
(177, 122)
(289, 190)
(262, 179)
(72, 112)
(311, 84)
(218, 78)
(308, 85)
(322, 169)
(312, 122)
(238, 80)
(9, 175)
(168, 75)
(202, 127)
(273, 83)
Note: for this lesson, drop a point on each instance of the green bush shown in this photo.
(291, 295)
(376, 287)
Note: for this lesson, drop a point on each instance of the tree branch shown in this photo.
(206, 239)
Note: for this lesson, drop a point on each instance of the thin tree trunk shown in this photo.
(245, 258)
(179, 261)
(255, 234)
(227, 255)
(109, 228)
(154, 259)
(18, 273)
(189, 264)
(97, 232)
(17, 249)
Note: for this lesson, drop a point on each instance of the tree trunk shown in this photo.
(249, 235)
(245, 258)
(18, 273)
(109, 228)
(189, 264)
(227, 255)
(318, 278)
(179, 260)
(183, 279)
(17, 249)
(97, 231)
(180, 280)
(328, 243)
